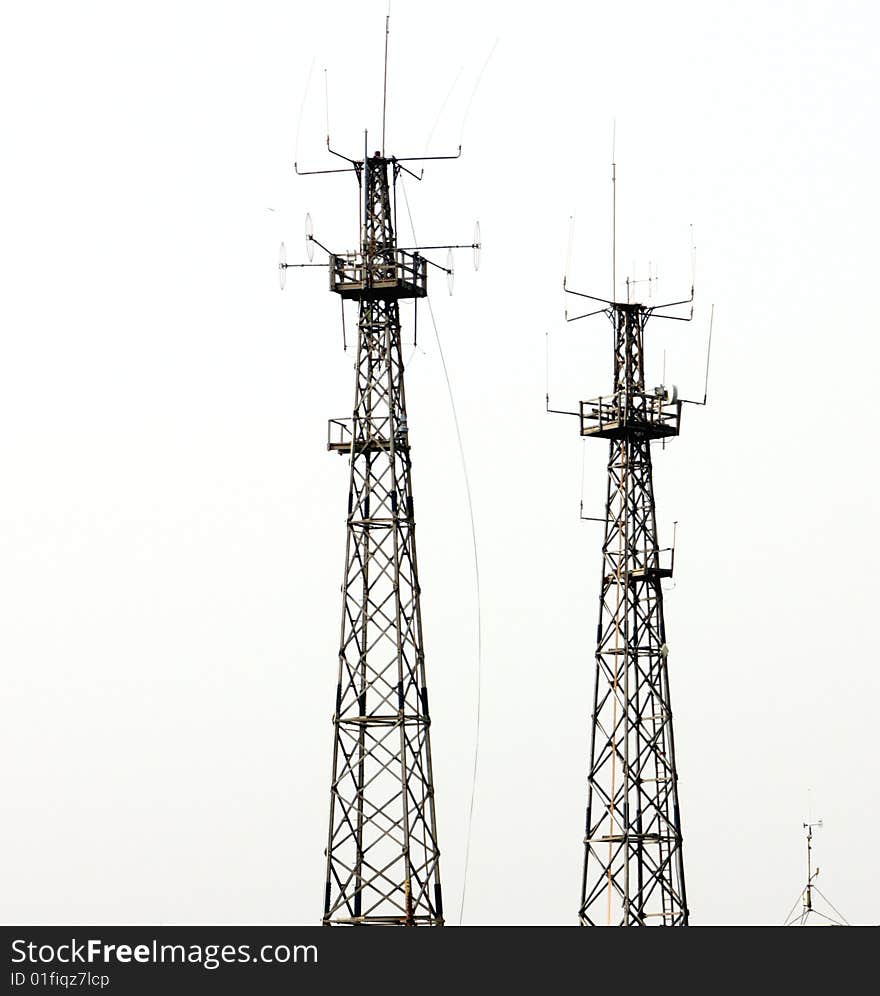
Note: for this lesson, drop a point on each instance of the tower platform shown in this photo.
(645, 416)
(340, 437)
(392, 274)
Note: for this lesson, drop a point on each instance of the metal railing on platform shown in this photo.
(650, 412)
(391, 269)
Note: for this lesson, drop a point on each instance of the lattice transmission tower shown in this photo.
(633, 871)
(383, 856)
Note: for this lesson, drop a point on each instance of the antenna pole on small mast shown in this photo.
(633, 870)
(382, 855)
(808, 892)
(806, 899)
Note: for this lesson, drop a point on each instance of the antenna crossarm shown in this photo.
(589, 314)
(320, 245)
(427, 259)
(424, 159)
(416, 176)
(672, 304)
(315, 172)
(672, 318)
(589, 297)
(462, 245)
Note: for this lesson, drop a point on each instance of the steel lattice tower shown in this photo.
(633, 871)
(383, 858)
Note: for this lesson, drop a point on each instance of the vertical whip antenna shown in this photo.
(613, 212)
(708, 356)
(570, 245)
(467, 109)
(385, 79)
(326, 105)
(442, 109)
(302, 108)
(547, 369)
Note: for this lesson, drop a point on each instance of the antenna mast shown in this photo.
(385, 81)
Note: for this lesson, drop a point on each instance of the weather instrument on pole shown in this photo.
(821, 913)
(382, 856)
(633, 871)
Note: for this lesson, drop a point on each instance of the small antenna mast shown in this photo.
(808, 892)
(385, 79)
(805, 899)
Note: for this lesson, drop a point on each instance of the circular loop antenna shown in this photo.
(450, 270)
(310, 233)
(477, 246)
(282, 266)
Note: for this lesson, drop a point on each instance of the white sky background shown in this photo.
(172, 528)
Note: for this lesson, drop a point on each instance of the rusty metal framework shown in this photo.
(383, 859)
(383, 856)
(633, 870)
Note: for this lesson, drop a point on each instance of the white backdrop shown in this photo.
(172, 529)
